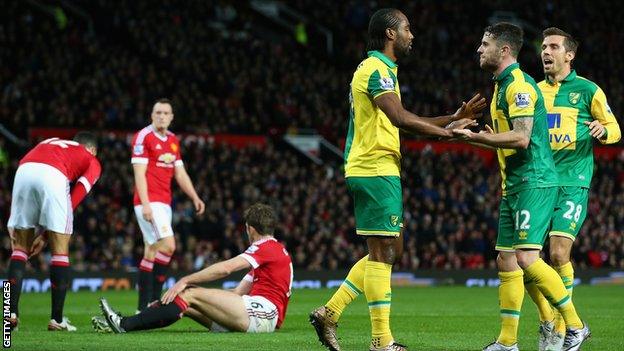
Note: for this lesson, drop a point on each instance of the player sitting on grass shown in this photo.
(258, 304)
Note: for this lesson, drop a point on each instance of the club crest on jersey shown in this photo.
(174, 147)
(138, 149)
(386, 83)
(574, 98)
(394, 220)
(167, 158)
(158, 147)
(523, 100)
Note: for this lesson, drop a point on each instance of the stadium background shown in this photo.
(246, 75)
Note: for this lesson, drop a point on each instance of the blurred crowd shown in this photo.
(450, 217)
(101, 63)
(229, 69)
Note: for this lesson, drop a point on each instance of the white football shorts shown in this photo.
(41, 198)
(262, 315)
(160, 227)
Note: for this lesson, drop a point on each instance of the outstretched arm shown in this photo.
(518, 138)
(403, 119)
(216, 271)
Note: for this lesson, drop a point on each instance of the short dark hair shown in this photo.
(164, 101)
(570, 43)
(86, 138)
(262, 218)
(507, 33)
(380, 21)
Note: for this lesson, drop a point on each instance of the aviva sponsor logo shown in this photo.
(556, 134)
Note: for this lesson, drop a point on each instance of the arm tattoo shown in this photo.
(523, 125)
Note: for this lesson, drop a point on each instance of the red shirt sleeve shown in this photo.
(140, 151)
(258, 255)
(85, 182)
(178, 153)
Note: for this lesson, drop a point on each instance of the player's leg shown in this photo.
(21, 241)
(567, 222)
(531, 227)
(21, 225)
(221, 306)
(57, 218)
(560, 251)
(59, 279)
(165, 248)
(510, 290)
(352, 286)
(146, 266)
(379, 216)
(378, 290)
(199, 317)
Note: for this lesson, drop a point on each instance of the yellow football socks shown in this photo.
(549, 283)
(566, 272)
(377, 278)
(510, 296)
(546, 313)
(348, 291)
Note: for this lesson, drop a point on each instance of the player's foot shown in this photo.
(13, 321)
(496, 346)
(549, 339)
(100, 325)
(65, 325)
(113, 318)
(574, 338)
(394, 346)
(325, 328)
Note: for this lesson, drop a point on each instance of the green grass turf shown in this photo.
(439, 318)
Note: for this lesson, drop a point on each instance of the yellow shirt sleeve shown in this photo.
(601, 112)
(521, 98)
(380, 82)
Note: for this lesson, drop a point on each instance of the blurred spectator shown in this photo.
(450, 211)
(230, 70)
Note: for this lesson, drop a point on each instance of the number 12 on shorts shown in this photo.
(522, 220)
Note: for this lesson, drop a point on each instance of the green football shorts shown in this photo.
(378, 205)
(570, 211)
(524, 218)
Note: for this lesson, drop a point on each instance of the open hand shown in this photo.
(462, 123)
(174, 291)
(471, 110)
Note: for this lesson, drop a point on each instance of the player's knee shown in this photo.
(559, 256)
(526, 258)
(501, 262)
(167, 249)
(188, 295)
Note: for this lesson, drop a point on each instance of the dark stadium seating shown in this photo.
(228, 71)
(450, 210)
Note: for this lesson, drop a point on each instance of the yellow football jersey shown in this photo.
(372, 147)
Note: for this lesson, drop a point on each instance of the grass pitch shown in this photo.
(438, 318)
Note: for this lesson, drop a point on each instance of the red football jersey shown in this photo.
(161, 154)
(69, 157)
(272, 273)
